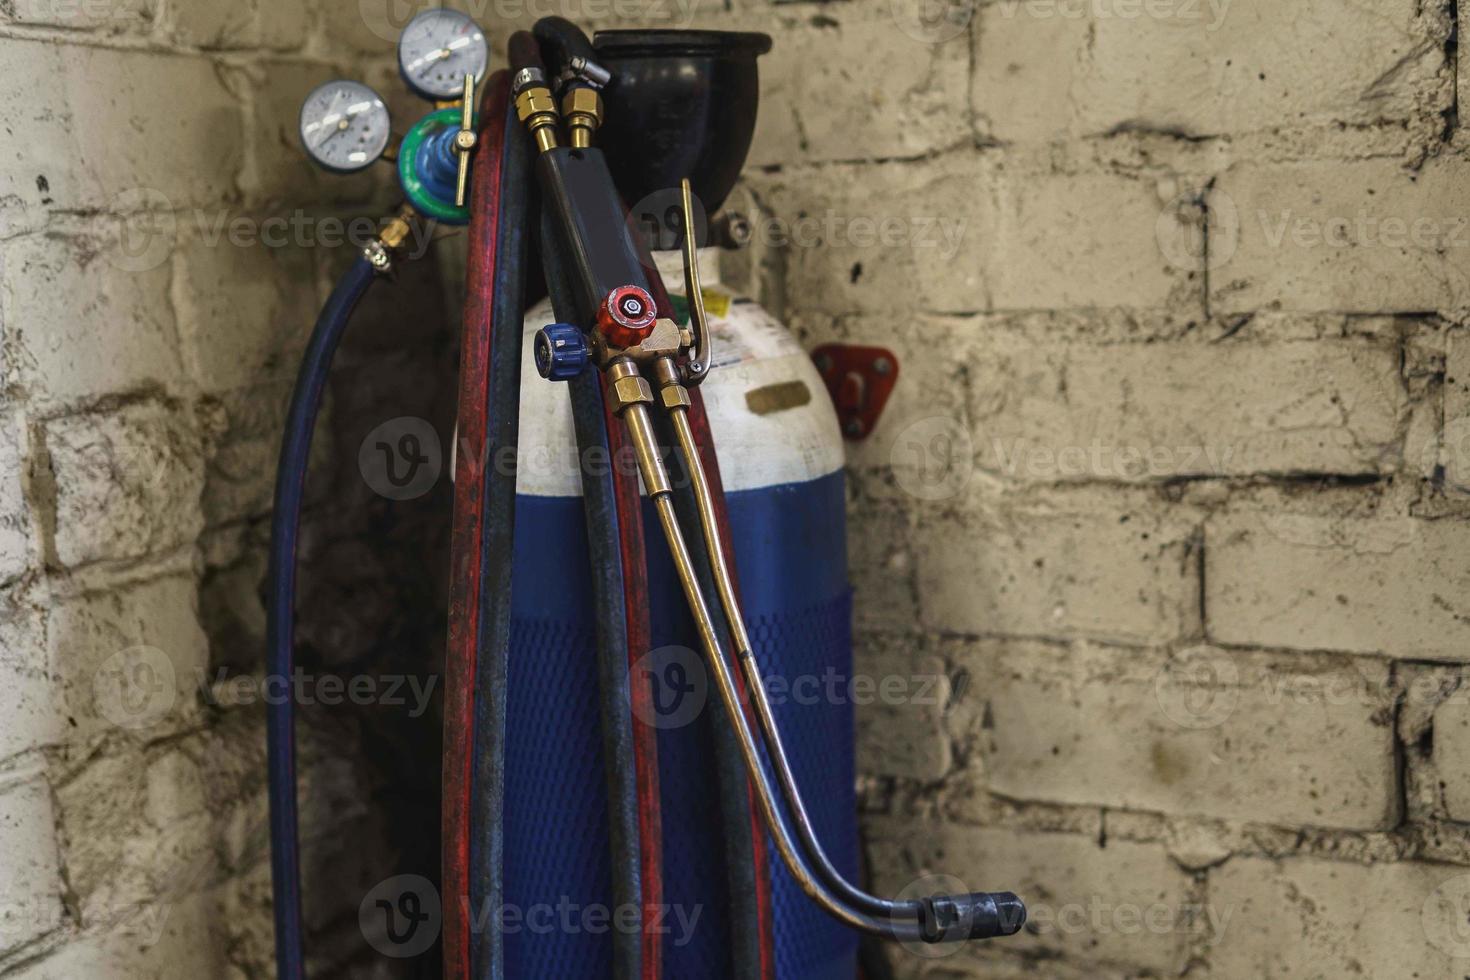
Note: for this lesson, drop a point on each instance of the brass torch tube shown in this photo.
(640, 430)
(729, 600)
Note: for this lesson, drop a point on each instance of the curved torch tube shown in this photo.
(740, 638)
(945, 918)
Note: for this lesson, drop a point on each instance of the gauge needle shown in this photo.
(331, 111)
(336, 130)
(433, 56)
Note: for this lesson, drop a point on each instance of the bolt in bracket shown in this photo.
(859, 379)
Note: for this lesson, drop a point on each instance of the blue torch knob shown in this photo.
(561, 352)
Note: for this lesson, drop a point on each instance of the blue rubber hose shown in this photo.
(306, 401)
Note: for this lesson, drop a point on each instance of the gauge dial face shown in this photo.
(438, 49)
(344, 125)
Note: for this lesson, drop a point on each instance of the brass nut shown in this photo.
(630, 390)
(585, 101)
(674, 396)
(533, 102)
(395, 232)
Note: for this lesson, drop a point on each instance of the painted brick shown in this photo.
(257, 23)
(26, 702)
(147, 637)
(16, 548)
(240, 479)
(900, 708)
(957, 234)
(1323, 583)
(1308, 918)
(1124, 903)
(1046, 413)
(828, 227)
(142, 467)
(1054, 68)
(1124, 576)
(68, 107)
(89, 316)
(881, 568)
(245, 310)
(30, 872)
(184, 936)
(1222, 734)
(108, 16)
(1451, 749)
(1360, 236)
(117, 861)
(880, 92)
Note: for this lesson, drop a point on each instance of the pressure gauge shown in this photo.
(438, 49)
(344, 125)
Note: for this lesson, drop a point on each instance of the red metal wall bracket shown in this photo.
(860, 379)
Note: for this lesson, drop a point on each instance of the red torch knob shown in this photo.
(626, 316)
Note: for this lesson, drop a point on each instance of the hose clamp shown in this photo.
(527, 78)
(378, 256)
(579, 69)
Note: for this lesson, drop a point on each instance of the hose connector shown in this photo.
(536, 108)
(982, 915)
(671, 391)
(582, 109)
(396, 231)
(629, 397)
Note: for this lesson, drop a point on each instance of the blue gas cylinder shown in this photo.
(780, 454)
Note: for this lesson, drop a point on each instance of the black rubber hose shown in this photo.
(609, 602)
(523, 51)
(562, 42)
(306, 398)
(497, 539)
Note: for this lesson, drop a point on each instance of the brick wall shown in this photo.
(164, 248)
(1171, 495)
(1170, 505)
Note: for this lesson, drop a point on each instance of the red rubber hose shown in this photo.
(465, 532)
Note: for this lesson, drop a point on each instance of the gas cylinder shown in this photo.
(781, 456)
